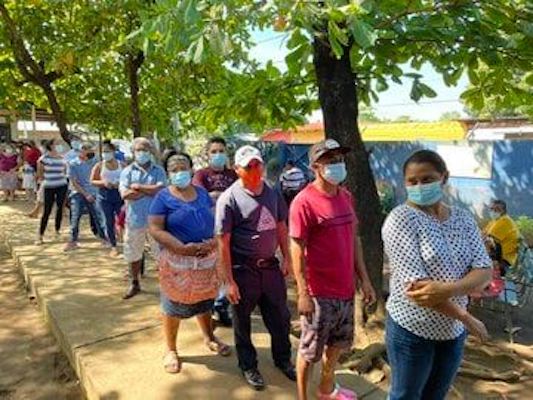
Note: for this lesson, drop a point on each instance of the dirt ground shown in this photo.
(31, 365)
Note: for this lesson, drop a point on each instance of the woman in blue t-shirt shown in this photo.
(182, 222)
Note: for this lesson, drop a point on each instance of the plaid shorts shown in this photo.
(332, 324)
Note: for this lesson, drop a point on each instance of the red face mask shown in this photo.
(251, 177)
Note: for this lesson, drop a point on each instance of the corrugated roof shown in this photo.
(377, 132)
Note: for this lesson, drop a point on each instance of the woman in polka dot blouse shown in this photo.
(437, 258)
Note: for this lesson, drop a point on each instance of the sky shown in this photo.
(393, 103)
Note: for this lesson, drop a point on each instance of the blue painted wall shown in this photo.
(512, 173)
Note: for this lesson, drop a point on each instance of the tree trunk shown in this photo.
(34, 72)
(338, 99)
(57, 112)
(134, 61)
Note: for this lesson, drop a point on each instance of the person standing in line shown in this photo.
(181, 221)
(30, 156)
(291, 181)
(82, 195)
(52, 173)
(437, 258)
(28, 181)
(39, 201)
(216, 178)
(106, 177)
(139, 183)
(9, 163)
(75, 148)
(327, 259)
(250, 226)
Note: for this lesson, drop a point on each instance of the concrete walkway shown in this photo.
(116, 346)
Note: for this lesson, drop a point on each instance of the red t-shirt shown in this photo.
(213, 180)
(31, 155)
(327, 224)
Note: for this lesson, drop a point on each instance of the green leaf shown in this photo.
(191, 13)
(199, 51)
(416, 93)
(355, 57)
(426, 90)
(339, 34)
(473, 76)
(362, 33)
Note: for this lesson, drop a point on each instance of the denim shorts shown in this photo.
(180, 310)
(332, 324)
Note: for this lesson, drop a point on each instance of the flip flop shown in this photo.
(172, 362)
(216, 346)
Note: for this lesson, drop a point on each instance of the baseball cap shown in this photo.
(325, 146)
(245, 154)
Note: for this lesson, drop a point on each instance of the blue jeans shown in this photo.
(422, 369)
(77, 205)
(109, 207)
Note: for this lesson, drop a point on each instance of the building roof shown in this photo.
(376, 132)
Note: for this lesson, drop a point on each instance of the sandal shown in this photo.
(219, 347)
(339, 393)
(172, 362)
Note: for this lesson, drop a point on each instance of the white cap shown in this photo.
(245, 154)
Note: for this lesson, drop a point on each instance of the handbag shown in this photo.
(186, 279)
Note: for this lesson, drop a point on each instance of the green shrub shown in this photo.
(525, 225)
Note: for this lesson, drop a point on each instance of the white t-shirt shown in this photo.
(421, 247)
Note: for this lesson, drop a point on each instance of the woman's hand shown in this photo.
(428, 293)
(196, 249)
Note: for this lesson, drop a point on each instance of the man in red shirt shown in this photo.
(327, 258)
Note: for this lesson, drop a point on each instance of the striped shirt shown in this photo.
(55, 171)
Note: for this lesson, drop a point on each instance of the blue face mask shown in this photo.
(181, 179)
(107, 155)
(335, 173)
(425, 195)
(60, 148)
(143, 157)
(76, 145)
(218, 160)
(494, 214)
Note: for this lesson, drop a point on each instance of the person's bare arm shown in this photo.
(225, 268)
(452, 310)
(283, 240)
(80, 189)
(156, 227)
(150, 190)
(306, 306)
(369, 294)
(40, 171)
(96, 178)
(428, 293)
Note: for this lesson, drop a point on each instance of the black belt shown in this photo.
(271, 262)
